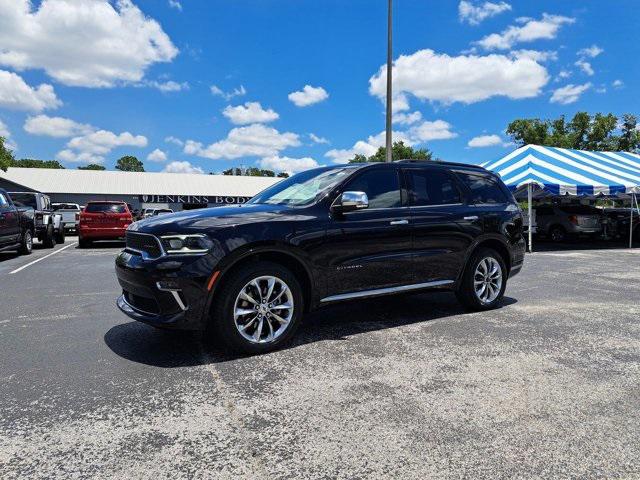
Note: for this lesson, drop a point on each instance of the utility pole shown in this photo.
(389, 83)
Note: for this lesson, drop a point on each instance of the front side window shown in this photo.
(3, 201)
(431, 187)
(483, 189)
(381, 186)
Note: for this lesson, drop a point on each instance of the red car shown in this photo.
(103, 221)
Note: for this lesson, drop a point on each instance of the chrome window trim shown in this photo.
(385, 291)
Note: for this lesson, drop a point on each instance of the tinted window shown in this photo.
(105, 207)
(3, 201)
(431, 187)
(483, 189)
(24, 200)
(381, 186)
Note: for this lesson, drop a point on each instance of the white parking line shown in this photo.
(42, 258)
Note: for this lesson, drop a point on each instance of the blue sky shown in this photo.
(203, 85)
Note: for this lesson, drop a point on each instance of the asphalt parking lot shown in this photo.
(548, 386)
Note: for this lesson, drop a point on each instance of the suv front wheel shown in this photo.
(484, 281)
(258, 308)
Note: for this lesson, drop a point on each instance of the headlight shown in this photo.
(186, 244)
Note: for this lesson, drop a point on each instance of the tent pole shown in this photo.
(634, 201)
(530, 201)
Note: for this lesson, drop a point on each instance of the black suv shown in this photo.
(247, 273)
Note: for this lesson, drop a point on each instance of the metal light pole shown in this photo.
(389, 84)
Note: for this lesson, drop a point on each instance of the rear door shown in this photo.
(370, 249)
(9, 222)
(437, 209)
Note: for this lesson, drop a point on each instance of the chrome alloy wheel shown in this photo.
(28, 241)
(487, 280)
(263, 309)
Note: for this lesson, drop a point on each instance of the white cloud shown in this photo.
(308, 96)
(287, 164)
(617, 84)
(486, 141)
(426, 131)
(475, 14)
(236, 92)
(15, 94)
(406, 118)
(562, 75)
(250, 112)
(92, 43)
(168, 86)
(536, 55)
(4, 130)
(157, 156)
(591, 52)
(92, 147)
(175, 4)
(255, 140)
(174, 140)
(585, 66)
(529, 30)
(569, 93)
(57, 127)
(182, 167)
(467, 79)
(316, 139)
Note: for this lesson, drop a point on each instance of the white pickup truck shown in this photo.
(70, 215)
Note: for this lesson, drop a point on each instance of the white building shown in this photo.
(140, 189)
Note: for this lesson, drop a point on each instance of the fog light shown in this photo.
(167, 285)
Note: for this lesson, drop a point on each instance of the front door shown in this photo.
(440, 241)
(370, 249)
(9, 222)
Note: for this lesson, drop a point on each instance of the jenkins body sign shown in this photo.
(196, 199)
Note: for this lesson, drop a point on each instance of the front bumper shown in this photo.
(168, 292)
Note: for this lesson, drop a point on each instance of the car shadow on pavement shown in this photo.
(9, 255)
(170, 349)
(549, 246)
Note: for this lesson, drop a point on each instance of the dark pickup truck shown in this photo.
(16, 226)
(49, 228)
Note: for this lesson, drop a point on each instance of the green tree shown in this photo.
(253, 172)
(33, 163)
(129, 163)
(6, 156)
(92, 166)
(528, 131)
(283, 175)
(399, 151)
(630, 137)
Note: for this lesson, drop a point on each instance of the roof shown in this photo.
(99, 182)
(562, 171)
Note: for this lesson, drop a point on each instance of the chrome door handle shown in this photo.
(399, 222)
(471, 218)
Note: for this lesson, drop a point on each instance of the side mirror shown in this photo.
(350, 201)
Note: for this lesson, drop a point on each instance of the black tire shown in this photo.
(49, 238)
(466, 292)
(222, 325)
(84, 243)
(26, 244)
(557, 234)
(60, 237)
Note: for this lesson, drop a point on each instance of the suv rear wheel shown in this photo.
(50, 237)
(484, 281)
(258, 308)
(557, 234)
(26, 245)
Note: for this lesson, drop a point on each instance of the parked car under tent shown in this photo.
(534, 172)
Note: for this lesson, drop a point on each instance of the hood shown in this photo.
(197, 221)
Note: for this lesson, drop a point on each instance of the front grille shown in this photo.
(142, 242)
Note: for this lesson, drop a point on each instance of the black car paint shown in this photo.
(14, 222)
(334, 253)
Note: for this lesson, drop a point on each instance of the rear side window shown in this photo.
(483, 189)
(106, 208)
(381, 186)
(431, 187)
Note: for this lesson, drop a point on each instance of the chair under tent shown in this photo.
(535, 171)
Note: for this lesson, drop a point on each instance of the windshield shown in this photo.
(106, 208)
(302, 189)
(24, 200)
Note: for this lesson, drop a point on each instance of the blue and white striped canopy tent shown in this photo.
(549, 171)
(561, 171)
